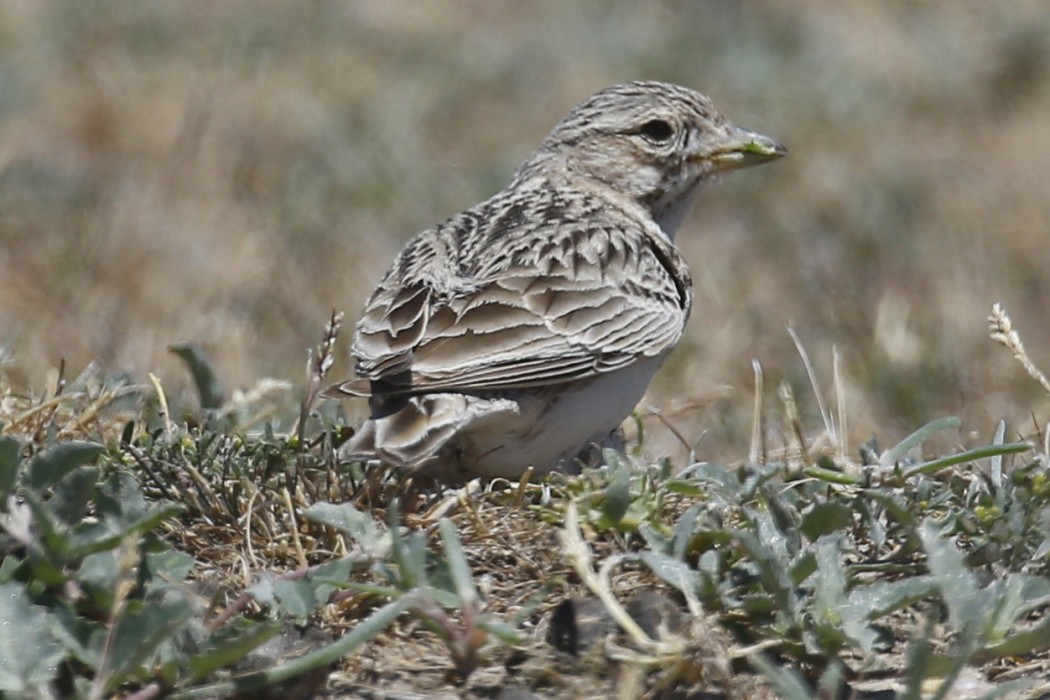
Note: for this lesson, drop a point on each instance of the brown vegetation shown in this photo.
(226, 173)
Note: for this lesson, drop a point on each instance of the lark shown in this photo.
(523, 331)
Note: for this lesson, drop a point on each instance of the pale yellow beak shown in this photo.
(745, 149)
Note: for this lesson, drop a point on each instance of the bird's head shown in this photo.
(654, 143)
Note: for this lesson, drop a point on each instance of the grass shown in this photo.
(152, 556)
(225, 176)
(186, 191)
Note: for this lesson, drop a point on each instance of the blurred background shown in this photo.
(227, 173)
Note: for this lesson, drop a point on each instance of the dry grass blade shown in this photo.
(319, 362)
(829, 425)
(840, 405)
(1001, 331)
(19, 422)
(757, 452)
(162, 399)
(579, 554)
(798, 445)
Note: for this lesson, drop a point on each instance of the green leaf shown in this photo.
(786, 682)
(121, 510)
(783, 516)
(617, 497)
(655, 539)
(409, 553)
(672, 571)
(120, 499)
(229, 645)
(769, 554)
(684, 488)
(773, 546)
(830, 603)
(318, 658)
(96, 537)
(956, 582)
(9, 565)
(824, 519)
(683, 531)
(83, 638)
(44, 566)
(54, 538)
(501, 630)
(964, 457)
(444, 598)
(30, 653)
(831, 476)
(1006, 601)
(995, 463)
(10, 461)
(206, 380)
(1035, 593)
(374, 589)
(829, 585)
(99, 573)
(965, 646)
(824, 638)
(128, 433)
(1008, 605)
(331, 575)
(462, 579)
(894, 507)
(725, 482)
(803, 567)
(139, 632)
(297, 598)
(919, 660)
(831, 681)
(415, 560)
(169, 564)
(893, 455)
(360, 526)
(48, 467)
(884, 597)
(69, 502)
(1028, 641)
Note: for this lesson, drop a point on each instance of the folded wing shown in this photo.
(562, 307)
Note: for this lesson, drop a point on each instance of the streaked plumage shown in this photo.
(522, 330)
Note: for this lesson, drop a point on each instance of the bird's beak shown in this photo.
(744, 148)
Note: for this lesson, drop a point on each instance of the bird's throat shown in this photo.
(670, 211)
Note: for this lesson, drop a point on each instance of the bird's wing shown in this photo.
(560, 307)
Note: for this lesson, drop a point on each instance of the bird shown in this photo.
(520, 333)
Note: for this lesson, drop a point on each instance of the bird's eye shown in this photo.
(657, 130)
